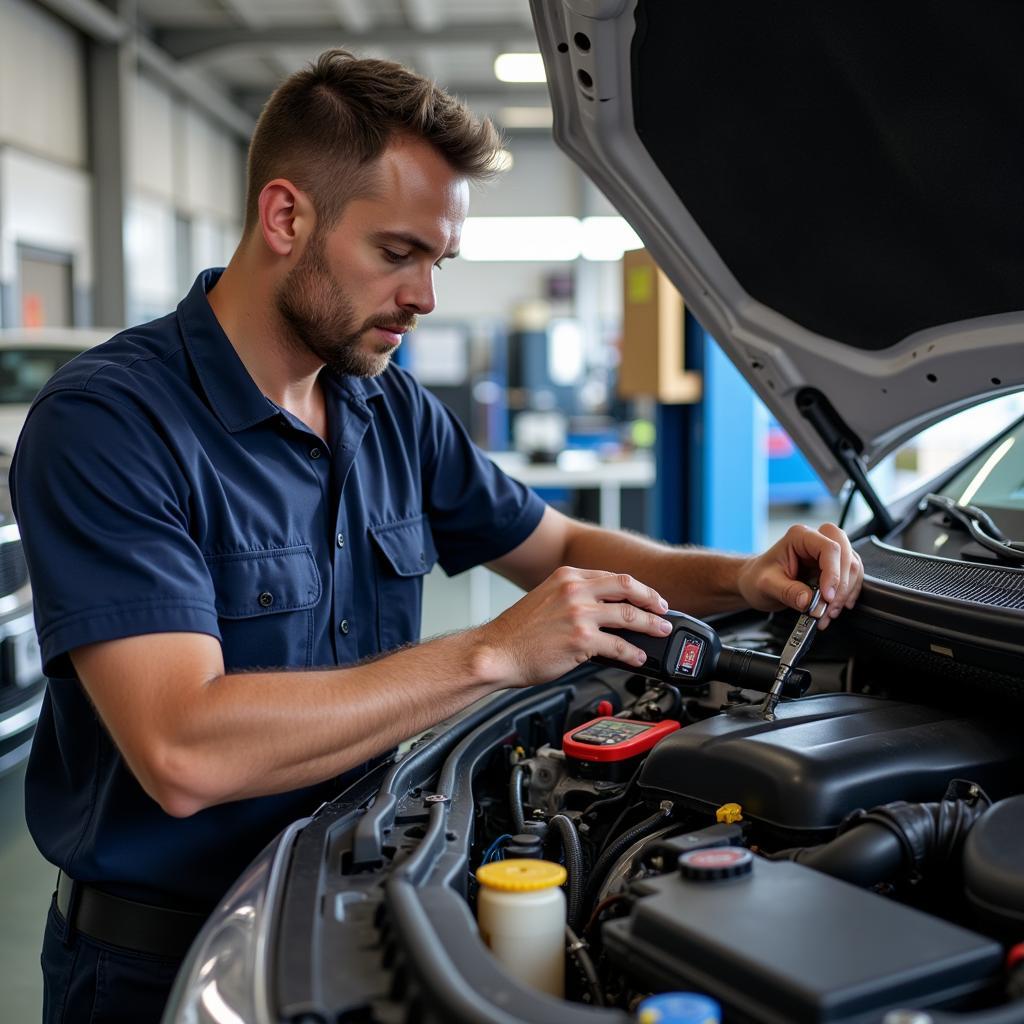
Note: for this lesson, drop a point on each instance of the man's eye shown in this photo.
(394, 257)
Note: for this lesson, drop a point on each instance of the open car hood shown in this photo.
(837, 190)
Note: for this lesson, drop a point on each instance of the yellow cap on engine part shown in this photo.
(729, 814)
(521, 874)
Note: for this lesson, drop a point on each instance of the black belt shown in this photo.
(157, 931)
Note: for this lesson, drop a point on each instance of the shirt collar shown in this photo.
(233, 394)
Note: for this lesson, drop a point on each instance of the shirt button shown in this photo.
(343, 627)
(341, 540)
(266, 599)
(315, 453)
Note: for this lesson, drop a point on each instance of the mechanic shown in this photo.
(227, 515)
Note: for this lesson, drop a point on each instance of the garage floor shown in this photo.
(27, 882)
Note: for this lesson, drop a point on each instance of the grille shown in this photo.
(13, 570)
(993, 586)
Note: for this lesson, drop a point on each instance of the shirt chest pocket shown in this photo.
(265, 601)
(405, 554)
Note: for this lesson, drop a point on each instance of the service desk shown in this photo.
(583, 470)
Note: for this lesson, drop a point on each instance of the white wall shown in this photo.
(45, 205)
(153, 126)
(42, 79)
(183, 167)
(150, 259)
(213, 169)
(44, 187)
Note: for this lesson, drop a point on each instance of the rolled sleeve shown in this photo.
(104, 528)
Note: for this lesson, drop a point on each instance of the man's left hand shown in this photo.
(778, 578)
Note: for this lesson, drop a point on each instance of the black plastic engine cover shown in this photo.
(828, 755)
(788, 945)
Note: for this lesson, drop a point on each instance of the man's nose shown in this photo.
(417, 294)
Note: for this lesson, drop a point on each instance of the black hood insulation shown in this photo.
(857, 166)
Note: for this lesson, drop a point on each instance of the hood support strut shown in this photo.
(846, 446)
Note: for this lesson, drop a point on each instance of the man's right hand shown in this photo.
(560, 624)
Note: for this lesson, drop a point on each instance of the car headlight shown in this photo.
(223, 979)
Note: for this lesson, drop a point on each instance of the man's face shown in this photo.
(358, 287)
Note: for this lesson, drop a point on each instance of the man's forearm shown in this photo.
(340, 718)
(253, 734)
(692, 580)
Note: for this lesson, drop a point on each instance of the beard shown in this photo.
(321, 319)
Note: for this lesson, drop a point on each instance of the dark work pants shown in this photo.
(90, 982)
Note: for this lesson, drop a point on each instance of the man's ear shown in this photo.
(287, 217)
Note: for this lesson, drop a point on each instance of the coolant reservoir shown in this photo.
(521, 913)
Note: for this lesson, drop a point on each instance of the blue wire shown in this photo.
(494, 851)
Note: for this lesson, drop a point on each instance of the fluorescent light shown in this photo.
(547, 239)
(519, 67)
(607, 238)
(502, 160)
(525, 117)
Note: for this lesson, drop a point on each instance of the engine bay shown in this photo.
(856, 808)
(856, 853)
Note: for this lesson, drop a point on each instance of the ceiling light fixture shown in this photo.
(525, 117)
(546, 239)
(502, 160)
(519, 67)
(607, 238)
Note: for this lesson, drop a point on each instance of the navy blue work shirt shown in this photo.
(158, 490)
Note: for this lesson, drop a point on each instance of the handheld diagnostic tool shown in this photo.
(692, 655)
(605, 747)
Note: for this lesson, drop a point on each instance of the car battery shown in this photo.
(779, 943)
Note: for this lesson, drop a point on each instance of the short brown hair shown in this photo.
(324, 125)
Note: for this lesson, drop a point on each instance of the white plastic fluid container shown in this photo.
(521, 914)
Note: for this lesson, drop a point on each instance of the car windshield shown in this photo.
(23, 371)
(935, 450)
(994, 479)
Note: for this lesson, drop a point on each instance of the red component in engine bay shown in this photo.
(614, 739)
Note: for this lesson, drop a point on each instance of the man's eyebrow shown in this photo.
(414, 242)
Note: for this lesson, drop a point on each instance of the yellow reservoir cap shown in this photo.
(521, 875)
(729, 814)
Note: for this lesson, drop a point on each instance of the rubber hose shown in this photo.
(863, 856)
(624, 842)
(880, 844)
(578, 951)
(932, 834)
(572, 849)
(515, 799)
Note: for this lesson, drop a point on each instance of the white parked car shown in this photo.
(29, 356)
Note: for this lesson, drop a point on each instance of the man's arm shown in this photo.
(195, 736)
(696, 581)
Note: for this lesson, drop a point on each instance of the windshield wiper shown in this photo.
(979, 524)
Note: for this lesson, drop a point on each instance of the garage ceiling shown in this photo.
(247, 46)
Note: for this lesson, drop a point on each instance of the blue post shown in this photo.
(712, 475)
(734, 495)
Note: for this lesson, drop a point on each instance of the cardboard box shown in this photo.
(653, 339)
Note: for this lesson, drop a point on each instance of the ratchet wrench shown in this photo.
(798, 644)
